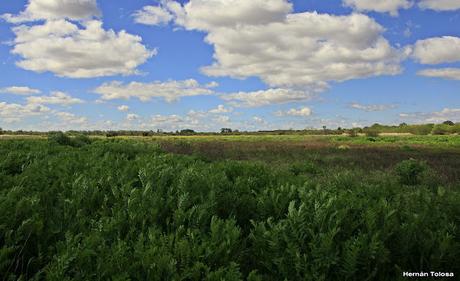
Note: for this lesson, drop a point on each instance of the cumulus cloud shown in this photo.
(132, 117)
(55, 9)
(123, 108)
(210, 14)
(440, 5)
(266, 97)
(19, 90)
(56, 98)
(220, 109)
(437, 50)
(152, 15)
(265, 39)
(70, 118)
(445, 73)
(12, 112)
(382, 6)
(171, 90)
(452, 114)
(65, 49)
(372, 107)
(298, 112)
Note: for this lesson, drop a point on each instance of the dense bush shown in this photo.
(119, 210)
(410, 171)
(63, 139)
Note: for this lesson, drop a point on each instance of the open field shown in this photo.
(260, 207)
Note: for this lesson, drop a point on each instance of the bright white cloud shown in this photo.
(19, 90)
(132, 117)
(152, 15)
(382, 6)
(445, 73)
(264, 39)
(55, 9)
(171, 90)
(123, 108)
(298, 112)
(266, 97)
(70, 118)
(63, 48)
(372, 107)
(437, 50)
(56, 98)
(12, 112)
(452, 114)
(440, 5)
(211, 14)
(220, 109)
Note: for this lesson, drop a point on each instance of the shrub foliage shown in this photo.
(118, 210)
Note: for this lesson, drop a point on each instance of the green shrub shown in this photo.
(80, 140)
(372, 133)
(410, 171)
(59, 138)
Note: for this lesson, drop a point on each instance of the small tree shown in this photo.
(449, 123)
(226, 131)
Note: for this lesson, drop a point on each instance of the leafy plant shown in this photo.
(410, 171)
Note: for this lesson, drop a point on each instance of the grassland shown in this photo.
(257, 207)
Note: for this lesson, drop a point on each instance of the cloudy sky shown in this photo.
(208, 64)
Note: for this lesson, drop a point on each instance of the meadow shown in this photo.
(245, 207)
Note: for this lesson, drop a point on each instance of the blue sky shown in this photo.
(271, 64)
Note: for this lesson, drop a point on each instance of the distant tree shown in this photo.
(324, 128)
(1, 131)
(449, 123)
(187, 132)
(403, 124)
(226, 131)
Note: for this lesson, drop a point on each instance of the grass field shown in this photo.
(258, 207)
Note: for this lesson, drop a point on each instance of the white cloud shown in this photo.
(220, 109)
(263, 39)
(19, 90)
(71, 119)
(372, 107)
(381, 6)
(446, 73)
(123, 108)
(171, 90)
(166, 121)
(440, 5)
(452, 114)
(437, 50)
(65, 49)
(11, 112)
(55, 9)
(56, 98)
(132, 117)
(259, 120)
(222, 119)
(300, 112)
(266, 97)
(210, 14)
(152, 15)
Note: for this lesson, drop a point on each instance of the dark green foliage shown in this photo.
(124, 210)
(410, 171)
(59, 138)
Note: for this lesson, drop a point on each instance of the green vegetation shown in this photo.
(235, 208)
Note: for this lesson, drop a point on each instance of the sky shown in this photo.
(211, 64)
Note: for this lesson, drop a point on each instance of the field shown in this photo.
(260, 207)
